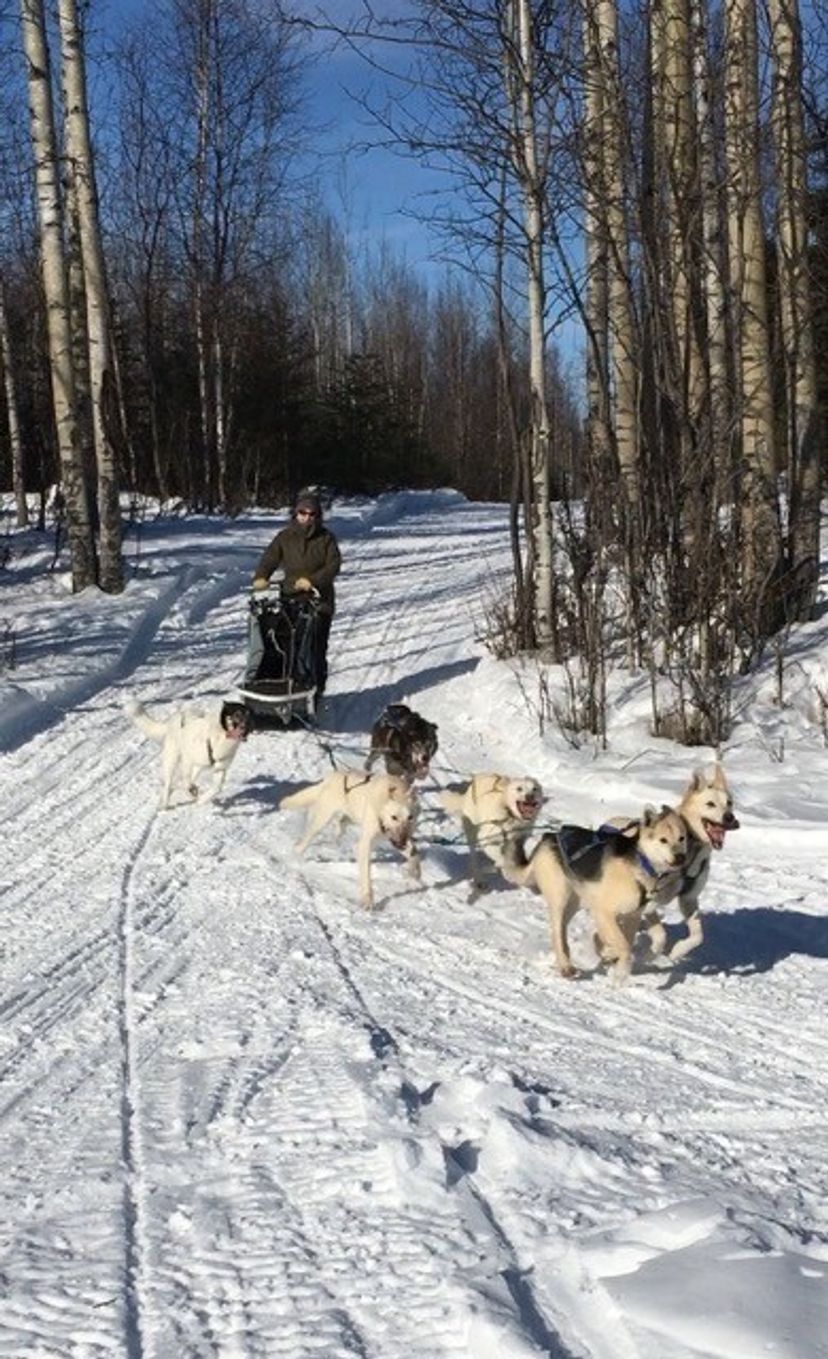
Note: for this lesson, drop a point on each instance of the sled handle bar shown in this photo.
(278, 594)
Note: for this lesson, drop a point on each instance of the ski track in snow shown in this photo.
(241, 1118)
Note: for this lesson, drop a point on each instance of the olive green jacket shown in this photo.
(311, 551)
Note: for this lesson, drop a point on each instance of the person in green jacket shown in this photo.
(308, 554)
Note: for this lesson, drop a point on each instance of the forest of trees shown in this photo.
(183, 313)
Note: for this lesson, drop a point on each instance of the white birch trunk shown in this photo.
(79, 151)
(204, 20)
(595, 231)
(760, 545)
(795, 296)
(713, 270)
(50, 221)
(624, 360)
(679, 172)
(531, 188)
(12, 415)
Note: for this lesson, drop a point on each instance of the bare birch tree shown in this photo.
(530, 176)
(624, 349)
(596, 283)
(98, 336)
(12, 413)
(760, 546)
(50, 218)
(795, 293)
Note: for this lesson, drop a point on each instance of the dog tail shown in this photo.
(150, 726)
(303, 798)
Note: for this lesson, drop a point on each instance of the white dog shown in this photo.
(193, 743)
(498, 814)
(379, 804)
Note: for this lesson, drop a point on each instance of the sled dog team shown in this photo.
(624, 873)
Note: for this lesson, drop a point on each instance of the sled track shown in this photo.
(466, 1202)
(134, 1209)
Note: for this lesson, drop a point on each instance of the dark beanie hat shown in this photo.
(308, 500)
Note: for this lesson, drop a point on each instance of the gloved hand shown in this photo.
(302, 583)
(260, 583)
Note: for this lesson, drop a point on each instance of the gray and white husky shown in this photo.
(706, 808)
(194, 743)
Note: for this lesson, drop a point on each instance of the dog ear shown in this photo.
(665, 810)
(649, 815)
(719, 780)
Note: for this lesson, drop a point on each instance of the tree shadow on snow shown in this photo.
(754, 939)
(358, 710)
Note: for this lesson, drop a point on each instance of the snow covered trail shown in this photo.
(241, 1118)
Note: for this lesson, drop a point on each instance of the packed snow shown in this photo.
(242, 1117)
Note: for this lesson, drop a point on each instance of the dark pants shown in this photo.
(323, 632)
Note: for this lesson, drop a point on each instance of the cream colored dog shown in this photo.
(194, 743)
(378, 804)
(609, 872)
(707, 811)
(498, 814)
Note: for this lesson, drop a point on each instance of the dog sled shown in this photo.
(281, 676)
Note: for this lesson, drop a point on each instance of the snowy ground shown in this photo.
(241, 1118)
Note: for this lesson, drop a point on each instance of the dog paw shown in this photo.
(657, 940)
(568, 970)
(620, 973)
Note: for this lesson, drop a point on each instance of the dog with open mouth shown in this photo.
(706, 808)
(194, 743)
(379, 805)
(498, 814)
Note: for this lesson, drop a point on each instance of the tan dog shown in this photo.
(610, 873)
(498, 814)
(707, 811)
(379, 804)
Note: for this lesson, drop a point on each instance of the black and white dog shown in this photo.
(193, 742)
(405, 740)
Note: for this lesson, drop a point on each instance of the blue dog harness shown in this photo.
(579, 843)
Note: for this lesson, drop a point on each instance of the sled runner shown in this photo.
(280, 679)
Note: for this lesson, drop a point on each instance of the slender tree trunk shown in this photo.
(597, 264)
(624, 354)
(12, 415)
(520, 82)
(49, 207)
(202, 327)
(681, 201)
(79, 150)
(713, 270)
(519, 491)
(795, 291)
(760, 524)
(80, 340)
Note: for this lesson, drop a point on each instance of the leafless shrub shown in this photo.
(504, 624)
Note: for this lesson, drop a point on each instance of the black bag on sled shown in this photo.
(283, 655)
